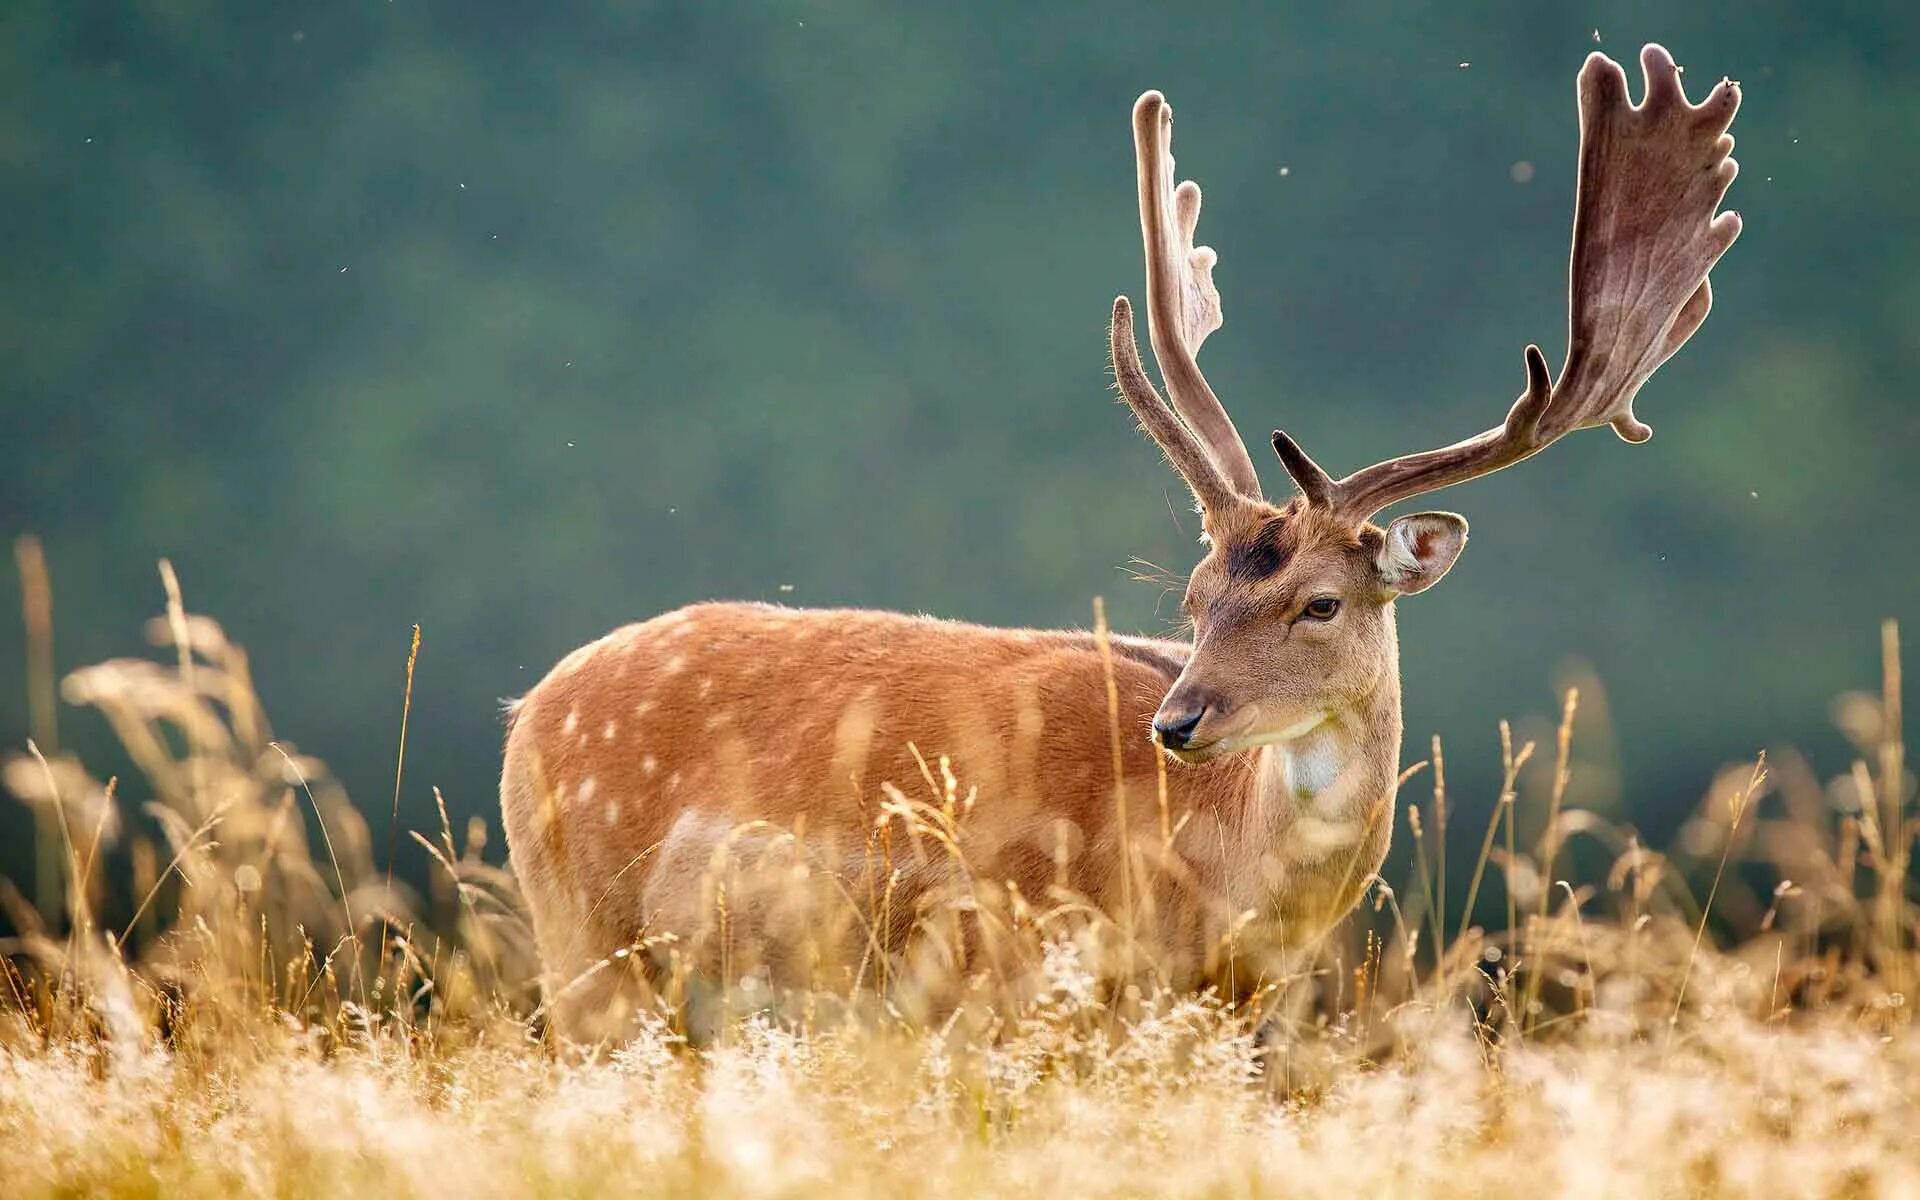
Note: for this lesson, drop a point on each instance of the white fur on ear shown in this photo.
(1419, 549)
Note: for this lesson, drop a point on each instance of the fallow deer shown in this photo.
(645, 759)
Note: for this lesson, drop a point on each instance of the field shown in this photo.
(267, 1012)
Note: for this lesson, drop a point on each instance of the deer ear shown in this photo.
(1418, 549)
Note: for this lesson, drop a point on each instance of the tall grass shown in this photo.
(230, 992)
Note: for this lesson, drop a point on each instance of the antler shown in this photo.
(1210, 487)
(1645, 234)
(1182, 305)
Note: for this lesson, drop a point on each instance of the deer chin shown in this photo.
(1195, 755)
(1250, 739)
(1295, 732)
(1254, 739)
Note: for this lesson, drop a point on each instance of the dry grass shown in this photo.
(269, 1012)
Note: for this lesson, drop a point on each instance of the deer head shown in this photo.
(1292, 607)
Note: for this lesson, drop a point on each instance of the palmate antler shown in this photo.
(1645, 234)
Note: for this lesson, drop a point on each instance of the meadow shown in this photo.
(225, 990)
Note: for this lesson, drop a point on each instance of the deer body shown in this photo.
(641, 753)
(876, 768)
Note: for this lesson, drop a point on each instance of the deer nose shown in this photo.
(1176, 730)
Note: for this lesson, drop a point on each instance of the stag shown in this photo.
(1233, 792)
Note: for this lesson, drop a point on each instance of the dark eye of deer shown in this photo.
(1322, 608)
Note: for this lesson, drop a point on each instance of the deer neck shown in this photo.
(1329, 791)
(1338, 761)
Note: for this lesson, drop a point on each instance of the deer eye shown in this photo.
(1322, 608)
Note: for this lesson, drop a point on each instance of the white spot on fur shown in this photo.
(853, 736)
(673, 781)
(608, 730)
(572, 722)
(643, 708)
(588, 787)
(648, 764)
(1029, 720)
(716, 720)
(706, 684)
(672, 665)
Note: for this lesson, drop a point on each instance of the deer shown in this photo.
(1239, 782)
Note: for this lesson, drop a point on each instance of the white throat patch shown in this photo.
(1313, 765)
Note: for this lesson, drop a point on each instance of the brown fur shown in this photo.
(649, 759)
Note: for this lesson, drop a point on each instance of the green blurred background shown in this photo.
(523, 321)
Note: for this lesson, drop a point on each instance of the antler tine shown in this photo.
(1315, 484)
(1645, 234)
(1212, 488)
(1183, 306)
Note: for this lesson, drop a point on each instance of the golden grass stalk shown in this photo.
(1010, 1045)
